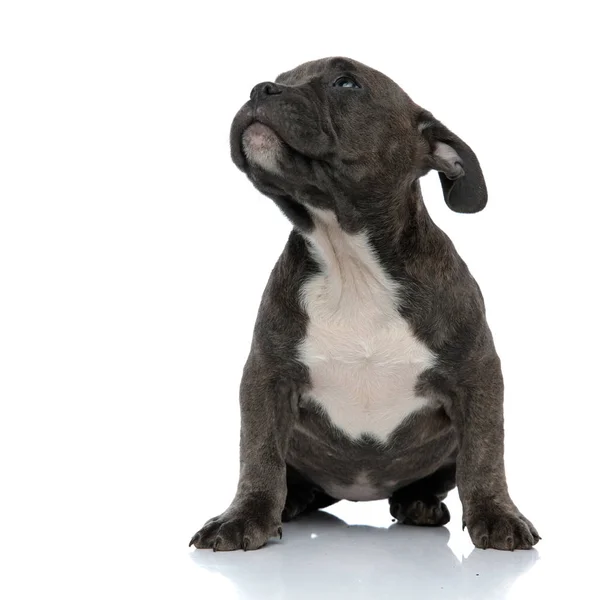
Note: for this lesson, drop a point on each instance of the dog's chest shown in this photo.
(362, 357)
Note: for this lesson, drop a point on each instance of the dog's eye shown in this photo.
(345, 82)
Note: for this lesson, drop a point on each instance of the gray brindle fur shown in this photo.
(343, 396)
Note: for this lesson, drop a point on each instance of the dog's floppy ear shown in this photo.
(460, 174)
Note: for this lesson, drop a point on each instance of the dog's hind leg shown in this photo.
(303, 496)
(420, 503)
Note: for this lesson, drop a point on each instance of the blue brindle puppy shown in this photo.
(372, 372)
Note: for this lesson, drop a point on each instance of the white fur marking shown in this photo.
(361, 490)
(363, 359)
(262, 146)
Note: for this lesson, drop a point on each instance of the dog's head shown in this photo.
(335, 134)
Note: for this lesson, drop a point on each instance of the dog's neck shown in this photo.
(384, 231)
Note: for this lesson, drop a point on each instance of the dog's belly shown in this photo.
(361, 489)
(366, 469)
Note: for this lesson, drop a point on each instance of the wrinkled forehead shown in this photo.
(330, 68)
(317, 69)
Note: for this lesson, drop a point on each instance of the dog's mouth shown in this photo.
(258, 140)
(261, 145)
(259, 136)
(252, 139)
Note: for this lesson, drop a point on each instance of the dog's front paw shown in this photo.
(237, 530)
(500, 527)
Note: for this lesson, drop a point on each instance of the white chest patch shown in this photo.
(363, 359)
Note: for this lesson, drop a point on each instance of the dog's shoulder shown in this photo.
(281, 320)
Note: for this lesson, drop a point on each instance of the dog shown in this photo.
(372, 372)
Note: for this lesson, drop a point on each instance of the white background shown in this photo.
(133, 255)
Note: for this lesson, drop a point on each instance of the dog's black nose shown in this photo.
(264, 89)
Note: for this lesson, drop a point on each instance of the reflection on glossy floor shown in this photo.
(323, 556)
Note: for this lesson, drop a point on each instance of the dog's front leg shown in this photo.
(491, 517)
(266, 424)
